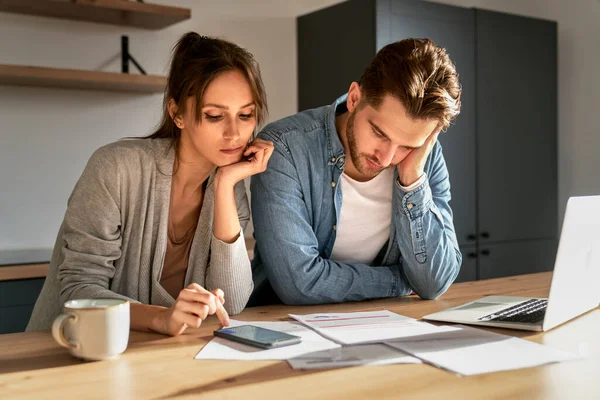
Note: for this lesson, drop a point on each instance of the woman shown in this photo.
(159, 220)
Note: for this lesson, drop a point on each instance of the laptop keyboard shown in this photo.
(530, 311)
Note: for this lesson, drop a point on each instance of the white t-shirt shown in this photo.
(365, 218)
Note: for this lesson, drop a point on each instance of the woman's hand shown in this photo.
(254, 161)
(192, 306)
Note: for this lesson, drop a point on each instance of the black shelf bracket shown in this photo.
(126, 57)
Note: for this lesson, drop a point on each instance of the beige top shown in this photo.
(113, 239)
(178, 251)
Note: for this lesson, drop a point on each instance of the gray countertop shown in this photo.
(25, 256)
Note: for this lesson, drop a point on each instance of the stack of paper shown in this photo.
(382, 337)
(352, 356)
(470, 351)
(367, 327)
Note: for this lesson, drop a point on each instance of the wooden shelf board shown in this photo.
(115, 12)
(79, 79)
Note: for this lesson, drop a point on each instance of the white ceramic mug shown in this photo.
(94, 329)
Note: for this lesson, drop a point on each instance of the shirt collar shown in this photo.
(335, 147)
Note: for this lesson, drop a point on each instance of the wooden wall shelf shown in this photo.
(79, 79)
(115, 12)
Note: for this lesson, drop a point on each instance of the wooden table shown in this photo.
(32, 365)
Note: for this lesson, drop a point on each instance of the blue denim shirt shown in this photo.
(296, 205)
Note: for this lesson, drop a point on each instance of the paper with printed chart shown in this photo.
(367, 327)
(223, 349)
(471, 351)
(352, 356)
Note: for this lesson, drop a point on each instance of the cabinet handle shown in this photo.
(472, 255)
(471, 237)
(485, 235)
(485, 252)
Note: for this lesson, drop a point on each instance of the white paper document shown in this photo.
(470, 351)
(367, 327)
(223, 349)
(350, 356)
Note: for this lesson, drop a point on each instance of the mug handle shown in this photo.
(58, 332)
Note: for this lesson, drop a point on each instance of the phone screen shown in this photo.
(256, 334)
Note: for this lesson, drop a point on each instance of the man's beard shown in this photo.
(359, 159)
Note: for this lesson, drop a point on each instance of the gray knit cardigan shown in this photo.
(112, 241)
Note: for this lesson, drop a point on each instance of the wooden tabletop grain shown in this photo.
(154, 366)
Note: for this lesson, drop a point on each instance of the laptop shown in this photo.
(575, 282)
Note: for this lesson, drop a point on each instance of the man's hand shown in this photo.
(411, 168)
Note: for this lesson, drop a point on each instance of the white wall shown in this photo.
(578, 85)
(47, 135)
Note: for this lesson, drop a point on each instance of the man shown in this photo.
(354, 204)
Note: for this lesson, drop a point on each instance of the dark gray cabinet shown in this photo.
(502, 150)
(468, 269)
(17, 299)
(516, 126)
(515, 258)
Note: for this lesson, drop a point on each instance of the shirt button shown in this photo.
(334, 227)
(342, 158)
(332, 184)
(410, 206)
(332, 159)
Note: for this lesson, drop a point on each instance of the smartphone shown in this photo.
(258, 337)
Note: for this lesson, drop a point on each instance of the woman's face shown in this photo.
(228, 119)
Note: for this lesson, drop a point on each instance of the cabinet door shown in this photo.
(20, 292)
(453, 29)
(516, 127)
(468, 269)
(516, 258)
(16, 303)
(14, 319)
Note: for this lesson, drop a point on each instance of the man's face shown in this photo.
(381, 138)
